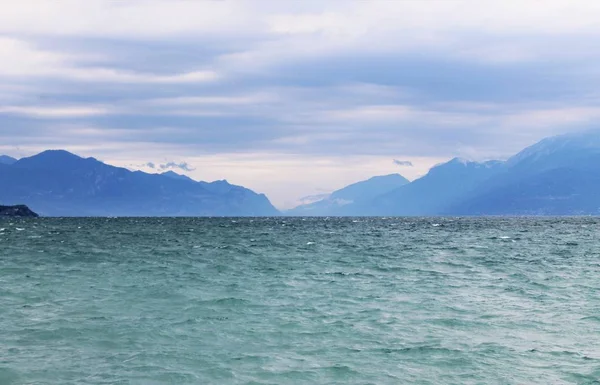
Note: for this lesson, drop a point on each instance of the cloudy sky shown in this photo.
(294, 98)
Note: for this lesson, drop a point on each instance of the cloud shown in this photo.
(210, 100)
(152, 166)
(116, 76)
(139, 19)
(173, 165)
(311, 199)
(155, 18)
(321, 80)
(402, 163)
(55, 112)
(24, 59)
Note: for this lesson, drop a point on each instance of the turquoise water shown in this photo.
(300, 301)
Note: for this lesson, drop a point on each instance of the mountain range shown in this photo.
(59, 183)
(557, 176)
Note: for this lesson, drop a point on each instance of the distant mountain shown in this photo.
(558, 151)
(370, 188)
(342, 201)
(58, 183)
(557, 176)
(442, 187)
(5, 159)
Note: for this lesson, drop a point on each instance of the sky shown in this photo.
(294, 98)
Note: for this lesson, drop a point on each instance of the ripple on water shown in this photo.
(299, 301)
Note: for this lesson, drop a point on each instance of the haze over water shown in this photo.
(299, 301)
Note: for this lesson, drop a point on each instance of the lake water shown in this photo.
(300, 301)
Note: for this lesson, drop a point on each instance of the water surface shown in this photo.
(299, 301)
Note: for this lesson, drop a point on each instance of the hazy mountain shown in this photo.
(59, 183)
(444, 185)
(342, 201)
(558, 151)
(557, 176)
(370, 188)
(5, 159)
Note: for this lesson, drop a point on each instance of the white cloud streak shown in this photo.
(21, 59)
(55, 112)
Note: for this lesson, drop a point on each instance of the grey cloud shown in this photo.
(307, 90)
(184, 166)
(173, 165)
(403, 163)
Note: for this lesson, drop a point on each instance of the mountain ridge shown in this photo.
(432, 192)
(556, 176)
(8, 160)
(59, 183)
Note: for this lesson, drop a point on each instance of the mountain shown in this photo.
(559, 151)
(370, 188)
(174, 175)
(17, 211)
(443, 186)
(341, 202)
(59, 183)
(557, 176)
(5, 159)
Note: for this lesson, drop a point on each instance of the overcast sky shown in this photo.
(294, 98)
